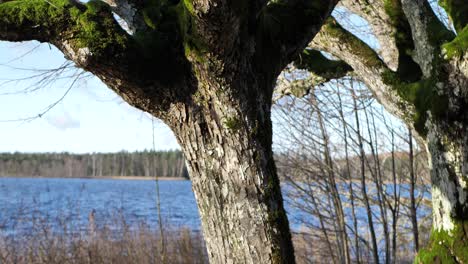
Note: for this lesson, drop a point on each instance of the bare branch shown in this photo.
(40, 78)
(78, 77)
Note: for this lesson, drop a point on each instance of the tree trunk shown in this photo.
(413, 209)
(449, 162)
(447, 143)
(226, 139)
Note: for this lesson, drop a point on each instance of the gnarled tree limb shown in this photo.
(314, 61)
(89, 35)
(380, 22)
(366, 64)
(321, 70)
(285, 27)
(428, 33)
(457, 10)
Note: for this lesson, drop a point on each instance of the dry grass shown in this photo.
(121, 244)
(311, 246)
(116, 243)
(143, 246)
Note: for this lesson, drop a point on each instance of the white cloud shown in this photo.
(63, 122)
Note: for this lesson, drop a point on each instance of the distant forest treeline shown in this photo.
(144, 163)
(160, 163)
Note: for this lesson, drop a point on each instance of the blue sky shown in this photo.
(91, 118)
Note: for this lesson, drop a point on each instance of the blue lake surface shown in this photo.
(24, 200)
(59, 202)
(62, 201)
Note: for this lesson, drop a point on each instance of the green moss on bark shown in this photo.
(457, 11)
(91, 25)
(33, 11)
(98, 29)
(233, 123)
(422, 95)
(368, 56)
(183, 14)
(446, 247)
(408, 82)
(458, 46)
(314, 61)
(408, 69)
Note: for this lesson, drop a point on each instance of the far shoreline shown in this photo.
(126, 178)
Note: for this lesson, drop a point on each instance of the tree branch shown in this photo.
(314, 61)
(285, 27)
(128, 11)
(28, 20)
(366, 64)
(147, 66)
(428, 34)
(299, 87)
(380, 22)
(321, 70)
(408, 69)
(82, 32)
(391, 28)
(457, 11)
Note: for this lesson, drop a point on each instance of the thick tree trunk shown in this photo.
(447, 143)
(227, 140)
(449, 161)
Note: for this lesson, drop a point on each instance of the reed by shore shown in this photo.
(149, 178)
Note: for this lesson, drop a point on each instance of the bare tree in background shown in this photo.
(412, 55)
(413, 213)
(347, 164)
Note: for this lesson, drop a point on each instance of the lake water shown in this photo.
(57, 202)
(25, 200)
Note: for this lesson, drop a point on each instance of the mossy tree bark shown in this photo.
(420, 74)
(207, 68)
